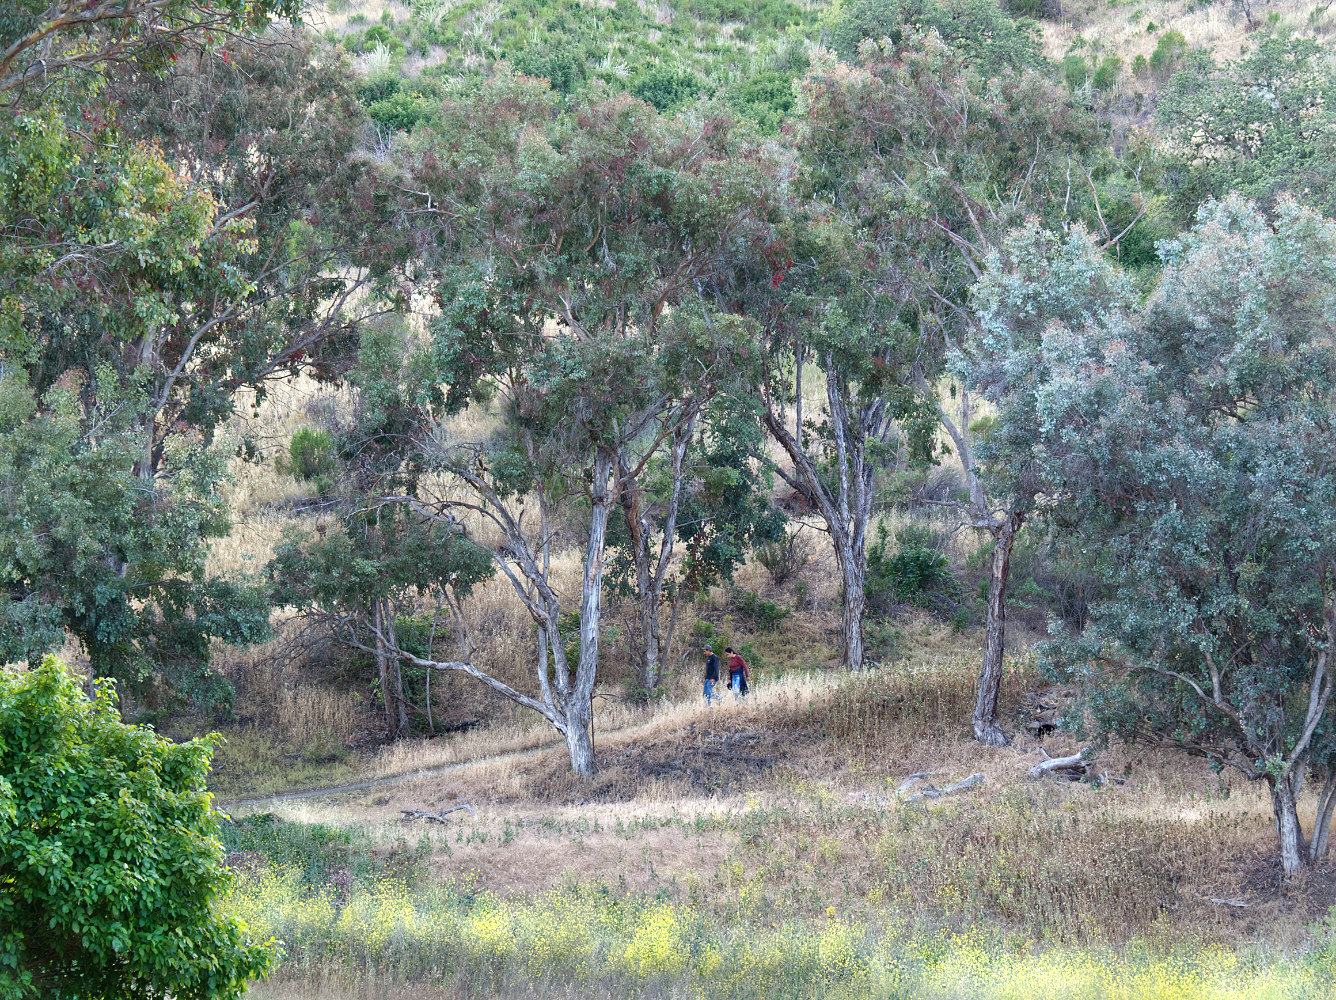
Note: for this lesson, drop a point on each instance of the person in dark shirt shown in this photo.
(737, 674)
(711, 675)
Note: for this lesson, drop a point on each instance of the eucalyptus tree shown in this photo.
(43, 42)
(145, 280)
(365, 580)
(1193, 448)
(809, 289)
(931, 164)
(570, 249)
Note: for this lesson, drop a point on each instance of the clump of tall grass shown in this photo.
(455, 937)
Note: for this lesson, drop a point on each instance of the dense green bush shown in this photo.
(916, 570)
(310, 457)
(109, 862)
(667, 87)
(990, 39)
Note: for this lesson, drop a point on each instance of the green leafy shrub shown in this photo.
(310, 457)
(1168, 51)
(762, 613)
(666, 87)
(1075, 71)
(917, 569)
(563, 66)
(380, 87)
(109, 857)
(1107, 74)
(401, 112)
(988, 37)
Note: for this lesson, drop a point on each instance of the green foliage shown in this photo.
(761, 613)
(1168, 54)
(1106, 74)
(311, 457)
(137, 299)
(563, 67)
(988, 39)
(1075, 70)
(78, 551)
(109, 857)
(1197, 456)
(666, 87)
(1260, 126)
(916, 570)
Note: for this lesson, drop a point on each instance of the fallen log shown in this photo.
(438, 817)
(933, 792)
(1071, 768)
(913, 780)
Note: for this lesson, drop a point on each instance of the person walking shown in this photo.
(711, 675)
(737, 674)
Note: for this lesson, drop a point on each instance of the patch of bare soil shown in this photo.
(705, 759)
(1263, 897)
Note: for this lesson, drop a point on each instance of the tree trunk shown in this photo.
(579, 740)
(382, 666)
(651, 668)
(1317, 849)
(397, 680)
(1287, 825)
(987, 729)
(855, 601)
(579, 735)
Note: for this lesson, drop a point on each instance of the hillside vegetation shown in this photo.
(414, 396)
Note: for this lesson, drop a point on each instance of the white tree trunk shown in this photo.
(851, 616)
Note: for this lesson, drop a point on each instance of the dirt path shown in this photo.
(388, 779)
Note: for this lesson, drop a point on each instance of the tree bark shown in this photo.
(851, 617)
(382, 665)
(397, 679)
(987, 729)
(1288, 829)
(1317, 849)
(579, 739)
(579, 736)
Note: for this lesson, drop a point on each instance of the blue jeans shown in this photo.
(710, 696)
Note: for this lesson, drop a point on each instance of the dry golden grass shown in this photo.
(786, 804)
(1113, 29)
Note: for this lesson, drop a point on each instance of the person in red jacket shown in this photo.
(737, 674)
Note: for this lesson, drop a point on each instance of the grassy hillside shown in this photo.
(758, 850)
(765, 850)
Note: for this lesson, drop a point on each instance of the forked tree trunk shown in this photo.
(652, 572)
(987, 728)
(847, 510)
(566, 696)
